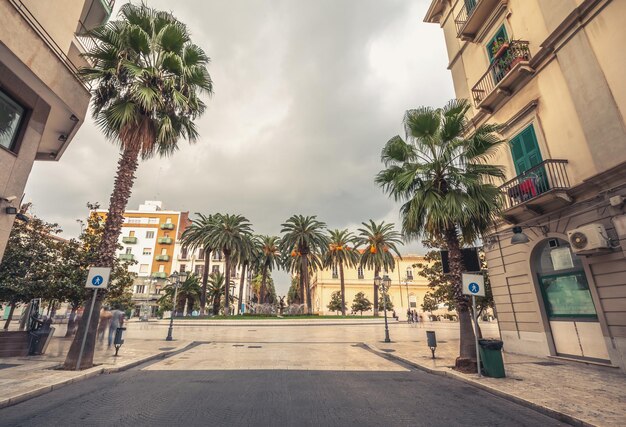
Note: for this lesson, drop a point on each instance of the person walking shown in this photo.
(117, 321)
(105, 320)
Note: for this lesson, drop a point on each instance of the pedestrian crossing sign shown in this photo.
(98, 277)
(473, 284)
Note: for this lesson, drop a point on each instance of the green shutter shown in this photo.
(525, 150)
(500, 34)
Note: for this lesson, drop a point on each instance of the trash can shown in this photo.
(491, 358)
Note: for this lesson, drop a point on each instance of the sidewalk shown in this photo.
(22, 378)
(585, 394)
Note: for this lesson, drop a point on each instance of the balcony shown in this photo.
(126, 257)
(159, 275)
(510, 67)
(164, 240)
(472, 16)
(167, 226)
(96, 13)
(540, 189)
(129, 240)
(162, 258)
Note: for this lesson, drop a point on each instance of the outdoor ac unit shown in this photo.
(588, 238)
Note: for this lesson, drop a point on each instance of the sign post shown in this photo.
(474, 284)
(97, 278)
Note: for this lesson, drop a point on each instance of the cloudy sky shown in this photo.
(306, 95)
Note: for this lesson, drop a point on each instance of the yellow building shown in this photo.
(42, 99)
(551, 73)
(406, 292)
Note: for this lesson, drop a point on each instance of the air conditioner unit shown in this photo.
(588, 238)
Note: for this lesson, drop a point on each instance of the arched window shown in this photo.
(409, 273)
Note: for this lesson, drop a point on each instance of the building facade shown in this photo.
(406, 292)
(43, 101)
(549, 74)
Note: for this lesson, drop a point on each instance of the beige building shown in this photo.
(43, 102)
(551, 73)
(407, 288)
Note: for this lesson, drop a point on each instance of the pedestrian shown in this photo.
(409, 316)
(105, 320)
(117, 321)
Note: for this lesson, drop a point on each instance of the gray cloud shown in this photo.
(306, 94)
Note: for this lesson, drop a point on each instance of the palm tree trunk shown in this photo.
(376, 273)
(122, 188)
(6, 324)
(307, 288)
(343, 290)
(467, 350)
(241, 282)
(263, 291)
(205, 279)
(227, 284)
(71, 321)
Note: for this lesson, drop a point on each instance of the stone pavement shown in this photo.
(585, 394)
(22, 378)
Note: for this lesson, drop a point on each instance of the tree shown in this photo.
(292, 293)
(229, 234)
(303, 237)
(361, 303)
(197, 235)
(270, 292)
(269, 258)
(146, 91)
(215, 291)
(430, 302)
(245, 258)
(381, 303)
(440, 174)
(340, 254)
(337, 302)
(379, 241)
(187, 294)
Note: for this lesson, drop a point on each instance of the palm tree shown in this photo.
(244, 258)
(215, 291)
(229, 235)
(340, 254)
(441, 175)
(197, 236)
(303, 237)
(269, 258)
(147, 80)
(380, 242)
(188, 292)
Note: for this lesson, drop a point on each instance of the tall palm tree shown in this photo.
(215, 290)
(303, 237)
(197, 236)
(270, 258)
(440, 173)
(243, 258)
(188, 292)
(147, 81)
(379, 241)
(340, 254)
(229, 235)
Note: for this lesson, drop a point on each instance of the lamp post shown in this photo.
(384, 284)
(176, 279)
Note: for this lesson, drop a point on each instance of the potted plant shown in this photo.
(498, 47)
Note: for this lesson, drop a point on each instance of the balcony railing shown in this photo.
(159, 275)
(464, 13)
(546, 176)
(165, 240)
(167, 226)
(126, 257)
(509, 55)
(49, 41)
(87, 42)
(162, 258)
(129, 239)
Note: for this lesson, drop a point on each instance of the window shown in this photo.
(153, 220)
(201, 253)
(144, 268)
(335, 274)
(360, 273)
(131, 234)
(215, 269)
(168, 220)
(140, 289)
(495, 42)
(149, 234)
(412, 301)
(163, 251)
(199, 270)
(161, 268)
(129, 251)
(134, 220)
(217, 256)
(11, 115)
(183, 253)
(147, 251)
(409, 273)
(183, 268)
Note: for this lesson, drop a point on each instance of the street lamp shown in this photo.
(175, 278)
(384, 284)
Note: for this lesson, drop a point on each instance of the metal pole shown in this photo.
(82, 345)
(386, 325)
(169, 331)
(476, 334)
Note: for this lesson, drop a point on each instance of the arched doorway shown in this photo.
(567, 301)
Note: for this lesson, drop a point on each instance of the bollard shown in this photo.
(119, 339)
(432, 341)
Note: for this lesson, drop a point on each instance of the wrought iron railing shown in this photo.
(464, 14)
(505, 59)
(87, 42)
(547, 175)
(48, 40)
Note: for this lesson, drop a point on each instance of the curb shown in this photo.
(89, 373)
(560, 416)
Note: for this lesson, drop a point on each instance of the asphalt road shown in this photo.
(269, 397)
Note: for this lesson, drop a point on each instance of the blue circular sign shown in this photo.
(97, 280)
(474, 287)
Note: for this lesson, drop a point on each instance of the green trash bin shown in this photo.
(491, 358)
